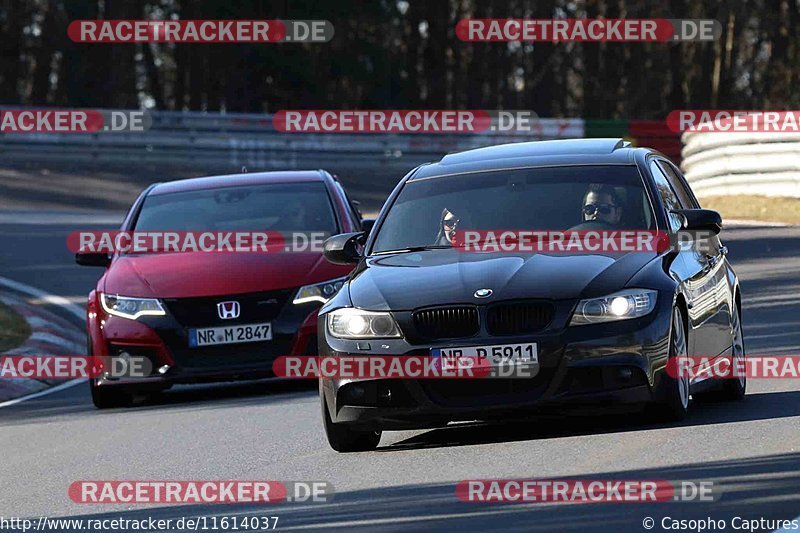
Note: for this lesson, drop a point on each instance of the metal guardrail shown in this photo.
(226, 142)
(722, 163)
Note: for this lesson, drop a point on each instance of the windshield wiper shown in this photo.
(414, 249)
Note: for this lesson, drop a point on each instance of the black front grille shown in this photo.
(447, 322)
(254, 306)
(518, 318)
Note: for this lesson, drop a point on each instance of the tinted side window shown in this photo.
(355, 213)
(668, 196)
(679, 186)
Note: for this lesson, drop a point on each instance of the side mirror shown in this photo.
(344, 249)
(93, 259)
(700, 220)
(367, 224)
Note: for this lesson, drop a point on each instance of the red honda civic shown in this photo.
(196, 316)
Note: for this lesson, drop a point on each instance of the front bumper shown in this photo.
(593, 365)
(163, 341)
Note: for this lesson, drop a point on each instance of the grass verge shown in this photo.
(750, 207)
(14, 330)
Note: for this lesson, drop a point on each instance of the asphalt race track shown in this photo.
(273, 431)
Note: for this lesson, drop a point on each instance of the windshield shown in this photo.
(302, 207)
(429, 212)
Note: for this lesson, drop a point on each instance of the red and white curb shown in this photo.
(50, 335)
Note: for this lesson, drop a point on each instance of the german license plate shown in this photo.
(496, 355)
(230, 334)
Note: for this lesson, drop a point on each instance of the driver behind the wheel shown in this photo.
(447, 228)
(601, 204)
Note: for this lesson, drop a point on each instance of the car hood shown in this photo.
(410, 280)
(196, 274)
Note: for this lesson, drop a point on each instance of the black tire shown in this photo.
(105, 397)
(345, 439)
(673, 404)
(734, 389)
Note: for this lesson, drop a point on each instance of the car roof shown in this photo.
(235, 180)
(533, 153)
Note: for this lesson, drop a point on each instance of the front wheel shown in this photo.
(345, 439)
(674, 402)
(107, 397)
(732, 389)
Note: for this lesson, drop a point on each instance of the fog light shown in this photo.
(113, 372)
(357, 392)
(625, 373)
(164, 369)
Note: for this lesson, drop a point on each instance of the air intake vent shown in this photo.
(447, 322)
(518, 318)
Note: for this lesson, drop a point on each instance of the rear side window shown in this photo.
(352, 208)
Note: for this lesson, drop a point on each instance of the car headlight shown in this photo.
(320, 292)
(131, 308)
(350, 323)
(623, 305)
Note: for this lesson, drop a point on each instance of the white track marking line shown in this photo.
(44, 297)
(52, 218)
(52, 299)
(45, 392)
